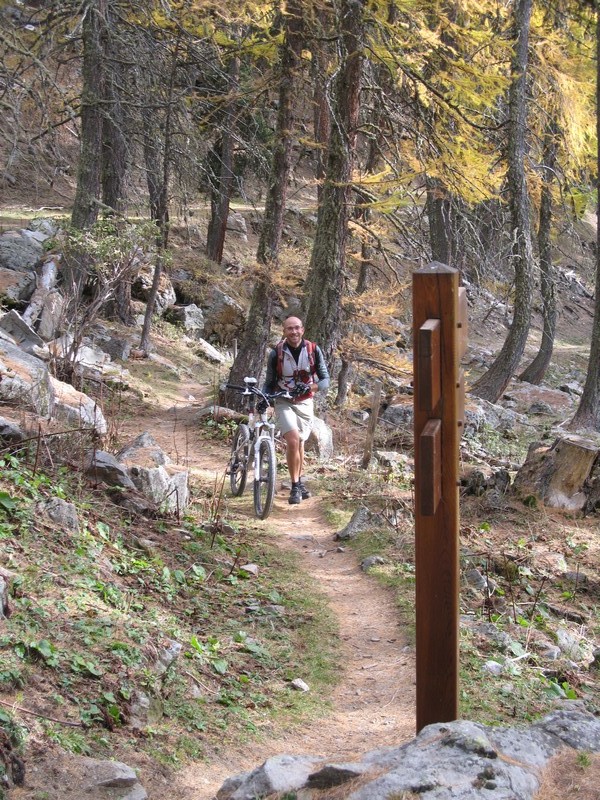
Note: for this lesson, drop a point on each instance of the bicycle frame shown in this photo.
(254, 443)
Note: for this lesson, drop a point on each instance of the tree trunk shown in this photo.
(85, 205)
(558, 475)
(158, 171)
(491, 385)
(535, 372)
(588, 412)
(114, 142)
(438, 206)
(325, 280)
(321, 115)
(251, 355)
(223, 177)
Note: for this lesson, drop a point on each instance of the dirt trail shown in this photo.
(373, 704)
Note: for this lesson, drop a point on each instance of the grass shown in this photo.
(95, 613)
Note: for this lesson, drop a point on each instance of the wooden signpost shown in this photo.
(440, 339)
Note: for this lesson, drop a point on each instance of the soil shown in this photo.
(373, 704)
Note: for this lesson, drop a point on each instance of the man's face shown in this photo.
(293, 330)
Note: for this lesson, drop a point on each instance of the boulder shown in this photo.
(237, 224)
(143, 451)
(51, 316)
(16, 286)
(24, 379)
(60, 512)
(21, 332)
(10, 432)
(103, 467)
(320, 440)
(361, 520)
(19, 252)
(167, 487)
(224, 318)
(189, 317)
(142, 284)
(459, 759)
(77, 408)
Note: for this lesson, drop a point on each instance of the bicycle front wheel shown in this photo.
(238, 463)
(264, 478)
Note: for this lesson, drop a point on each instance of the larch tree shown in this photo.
(493, 382)
(587, 415)
(326, 276)
(251, 354)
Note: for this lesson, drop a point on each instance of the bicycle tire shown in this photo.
(264, 481)
(238, 463)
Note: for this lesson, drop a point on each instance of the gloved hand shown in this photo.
(300, 389)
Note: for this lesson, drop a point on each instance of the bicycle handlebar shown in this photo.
(268, 396)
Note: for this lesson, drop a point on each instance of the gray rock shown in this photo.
(224, 318)
(24, 379)
(190, 317)
(335, 775)
(104, 468)
(45, 225)
(142, 285)
(51, 316)
(320, 440)
(278, 774)
(18, 252)
(299, 685)
(237, 224)
(371, 561)
(16, 286)
(595, 665)
(22, 333)
(10, 433)
(108, 774)
(144, 451)
(399, 415)
(361, 520)
(206, 350)
(60, 512)
(77, 408)
(144, 711)
(168, 489)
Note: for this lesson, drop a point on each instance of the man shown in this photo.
(296, 361)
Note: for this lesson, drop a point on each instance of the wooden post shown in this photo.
(439, 336)
(372, 425)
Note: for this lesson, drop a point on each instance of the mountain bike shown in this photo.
(254, 442)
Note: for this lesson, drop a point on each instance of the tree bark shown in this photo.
(85, 205)
(325, 280)
(535, 372)
(251, 355)
(491, 385)
(223, 178)
(588, 412)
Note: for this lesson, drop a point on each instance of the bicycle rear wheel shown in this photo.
(264, 478)
(238, 463)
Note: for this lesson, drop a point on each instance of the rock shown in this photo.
(24, 380)
(47, 226)
(493, 667)
(399, 415)
(189, 317)
(144, 711)
(103, 467)
(19, 252)
(224, 318)
(460, 759)
(142, 284)
(540, 408)
(237, 224)
(392, 459)
(16, 286)
(143, 451)
(595, 665)
(51, 316)
(283, 774)
(10, 433)
(61, 512)
(5, 578)
(77, 408)
(299, 685)
(206, 350)
(371, 561)
(251, 569)
(167, 486)
(320, 440)
(108, 774)
(167, 656)
(22, 333)
(361, 520)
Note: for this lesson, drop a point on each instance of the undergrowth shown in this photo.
(177, 637)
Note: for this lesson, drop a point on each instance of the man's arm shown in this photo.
(270, 384)
(322, 372)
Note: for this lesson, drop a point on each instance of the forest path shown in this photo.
(373, 703)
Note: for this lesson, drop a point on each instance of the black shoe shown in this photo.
(295, 495)
(304, 491)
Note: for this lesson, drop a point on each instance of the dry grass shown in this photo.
(571, 775)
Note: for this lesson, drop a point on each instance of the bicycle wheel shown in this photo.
(238, 463)
(264, 478)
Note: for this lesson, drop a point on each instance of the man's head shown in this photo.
(293, 331)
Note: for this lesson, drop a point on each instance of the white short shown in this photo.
(295, 417)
